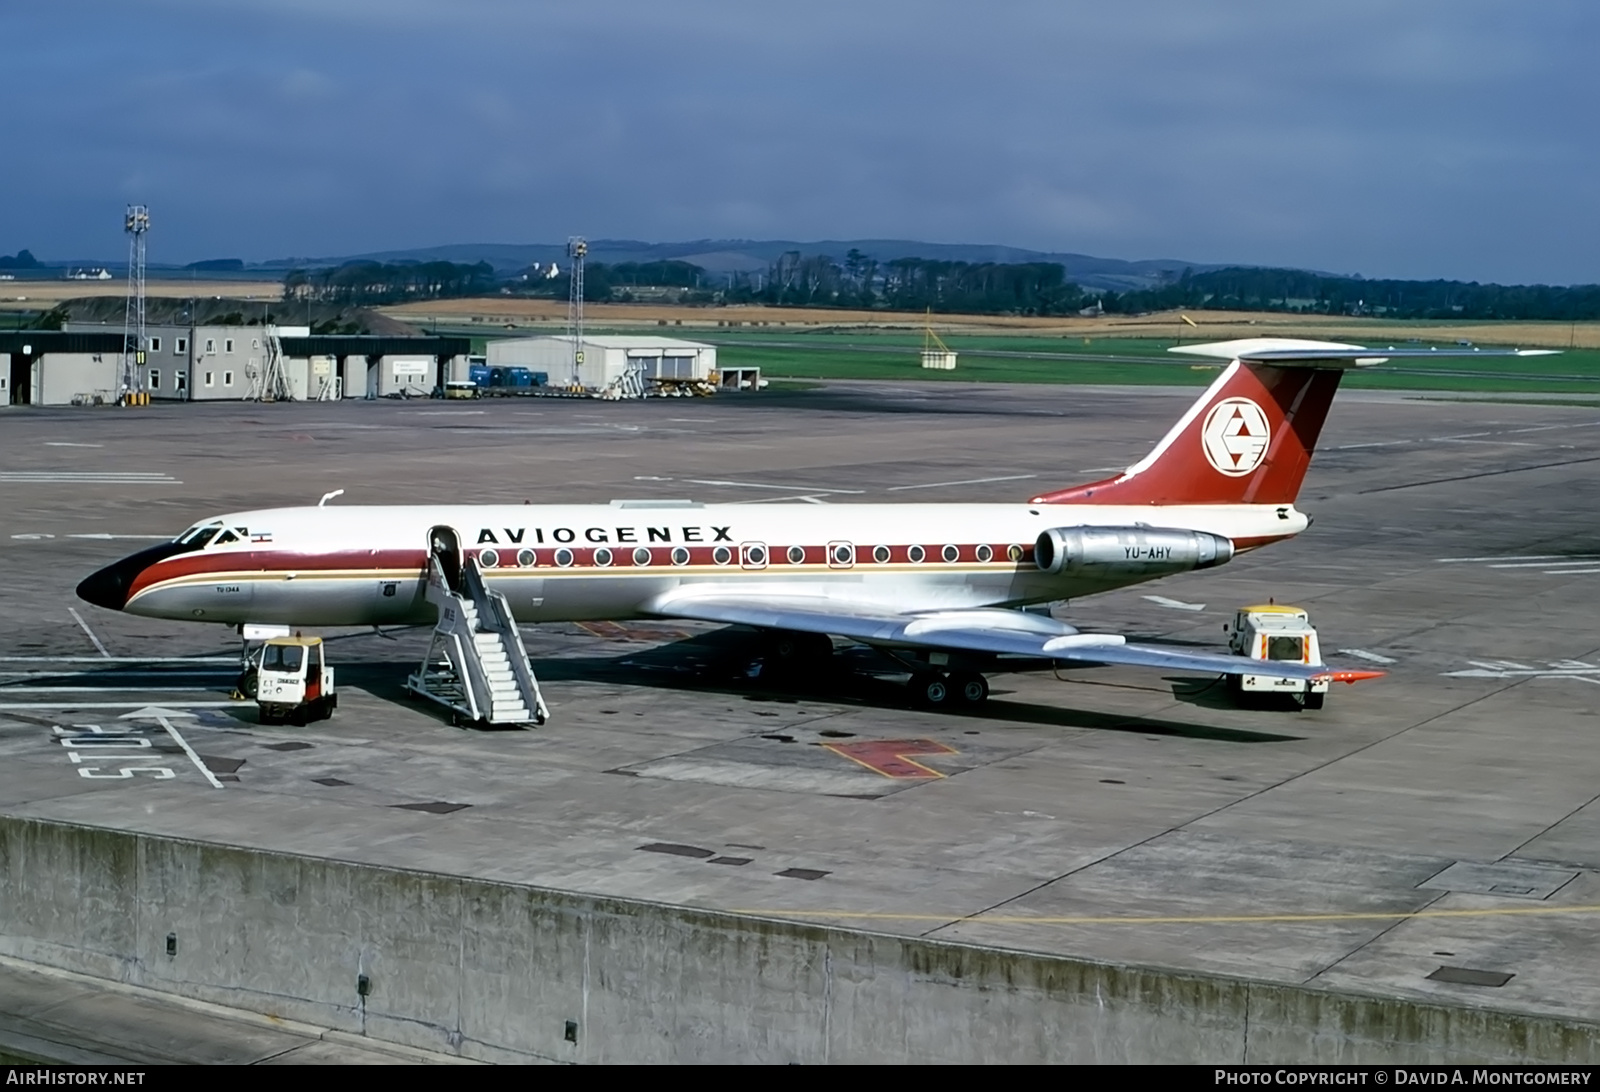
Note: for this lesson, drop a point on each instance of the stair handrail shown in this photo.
(499, 619)
(470, 691)
(473, 679)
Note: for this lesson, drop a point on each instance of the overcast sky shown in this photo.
(1429, 138)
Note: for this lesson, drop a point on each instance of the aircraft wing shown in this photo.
(986, 629)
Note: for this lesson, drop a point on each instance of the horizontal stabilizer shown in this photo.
(1289, 351)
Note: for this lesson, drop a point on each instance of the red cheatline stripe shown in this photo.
(241, 564)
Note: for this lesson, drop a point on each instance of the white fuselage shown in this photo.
(359, 566)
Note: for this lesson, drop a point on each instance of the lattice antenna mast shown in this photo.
(577, 250)
(137, 224)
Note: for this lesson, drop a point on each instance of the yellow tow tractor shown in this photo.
(290, 680)
(1276, 633)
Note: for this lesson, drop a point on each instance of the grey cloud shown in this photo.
(1428, 139)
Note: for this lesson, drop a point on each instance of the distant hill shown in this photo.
(718, 256)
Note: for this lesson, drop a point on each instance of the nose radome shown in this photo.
(110, 586)
(107, 588)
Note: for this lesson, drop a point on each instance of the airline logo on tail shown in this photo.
(1235, 436)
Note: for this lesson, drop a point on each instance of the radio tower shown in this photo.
(577, 248)
(137, 225)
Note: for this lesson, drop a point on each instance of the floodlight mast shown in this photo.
(577, 250)
(137, 225)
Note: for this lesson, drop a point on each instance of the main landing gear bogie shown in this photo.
(957, 690)
(797, 655)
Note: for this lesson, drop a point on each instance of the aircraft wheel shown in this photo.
(791, 655)
(800, 648)
(969, 688)
(930, 690)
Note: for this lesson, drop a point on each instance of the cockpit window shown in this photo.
(198, 535)
(226, 536)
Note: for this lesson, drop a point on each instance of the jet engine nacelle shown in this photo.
(1129, 551)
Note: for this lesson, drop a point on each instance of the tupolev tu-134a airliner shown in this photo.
(942, 588)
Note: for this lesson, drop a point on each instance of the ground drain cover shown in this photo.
(1516, 880)
(731, 860)
(677, 850)
(292, 746)
(329, 781)
(222, 765)
(802, 873)
(432, 807)
(1466, 976)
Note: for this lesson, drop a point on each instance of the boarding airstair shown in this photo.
(476, 665)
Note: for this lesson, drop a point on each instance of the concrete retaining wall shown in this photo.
(497, 971)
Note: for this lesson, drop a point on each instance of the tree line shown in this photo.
(368, 282)
(909, 284)
(1243, 289)
(860, 282)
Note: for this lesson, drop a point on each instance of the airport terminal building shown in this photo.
(82, 364)
(605, 358)
(56, 367)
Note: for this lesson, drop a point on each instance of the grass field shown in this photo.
(523, 316)
(17, 295)
(792, 343)
(1021, 359)
(803, 344)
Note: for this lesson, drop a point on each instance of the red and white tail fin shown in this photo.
(1247, 440)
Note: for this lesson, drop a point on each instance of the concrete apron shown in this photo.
(509, 973)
